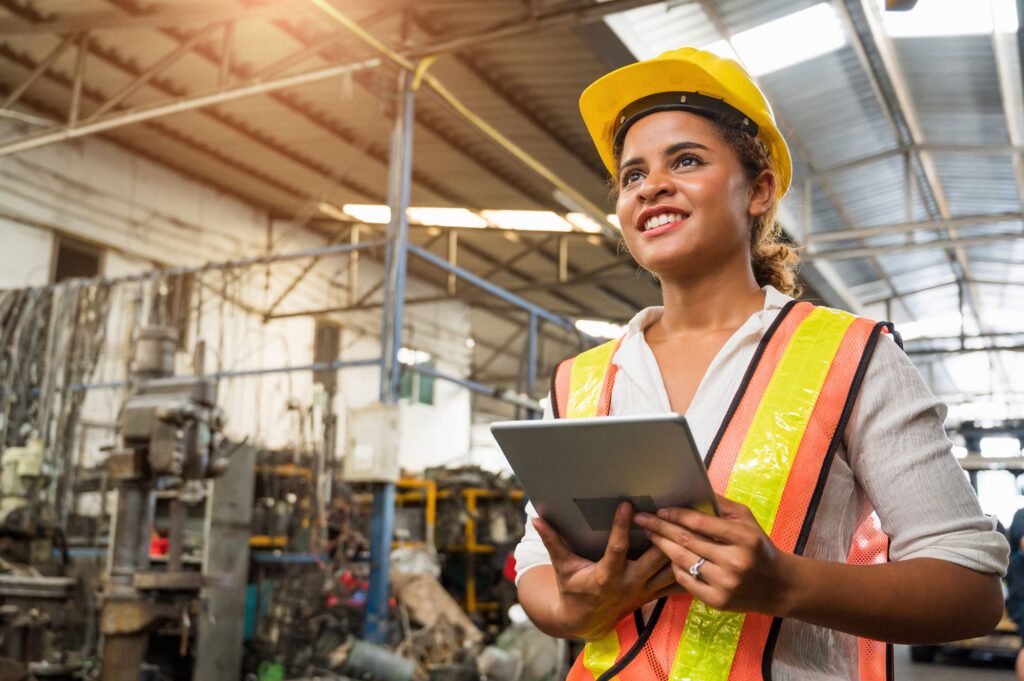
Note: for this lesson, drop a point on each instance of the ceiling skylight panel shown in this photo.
(951, 17)
(790, 40)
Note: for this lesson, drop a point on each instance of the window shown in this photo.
(75, 259)
(414, 386)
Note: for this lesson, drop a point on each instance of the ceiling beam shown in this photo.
(938, 148)
(942, 243)
(164, 14)
(907, 227)
(1008, 69)
(881, 64)
(826, 273)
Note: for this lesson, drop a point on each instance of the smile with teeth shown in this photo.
(659, 220)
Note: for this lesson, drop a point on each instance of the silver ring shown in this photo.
(695, 570)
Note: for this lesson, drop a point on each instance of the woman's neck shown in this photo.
(716, 301)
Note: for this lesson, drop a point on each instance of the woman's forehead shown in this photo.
(657, 131)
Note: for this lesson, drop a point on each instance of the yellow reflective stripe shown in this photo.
(768, 450)
(600, 655)
(587, 379)
(758, 480)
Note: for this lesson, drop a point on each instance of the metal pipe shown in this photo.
(46, 63)
(76, 89)
(912, 226)
(158, 110)
(868, 251)
(531, 356)
(378, 593)
(153, 71)
(497, 291)
(477, 387)
(402, 178)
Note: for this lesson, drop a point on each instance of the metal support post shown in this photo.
(399, 185)
(382, 521)
(531, 359)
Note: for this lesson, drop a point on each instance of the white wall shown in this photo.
(147, 215)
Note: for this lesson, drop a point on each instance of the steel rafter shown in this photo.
(823, 184)
(878, 58)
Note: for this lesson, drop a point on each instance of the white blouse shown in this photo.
(895, 457)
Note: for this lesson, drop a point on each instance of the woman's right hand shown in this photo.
(593, 597)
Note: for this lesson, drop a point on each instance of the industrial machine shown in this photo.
(169, 443)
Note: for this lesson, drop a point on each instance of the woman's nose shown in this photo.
(656, 184)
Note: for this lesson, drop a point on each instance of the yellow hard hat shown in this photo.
(686, 79)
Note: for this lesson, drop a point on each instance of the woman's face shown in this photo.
(684, 203)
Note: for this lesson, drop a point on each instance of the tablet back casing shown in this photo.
(576, 471)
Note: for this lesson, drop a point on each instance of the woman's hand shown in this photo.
(593, 597)
(743, 571)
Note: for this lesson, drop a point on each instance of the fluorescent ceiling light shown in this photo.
(583, 222)
(411, 357)
(529, 220)
(999, 447)
(951, 17)
(369, 213)
(614, 221)
(599, 328)
(446, 217)
(790, 40)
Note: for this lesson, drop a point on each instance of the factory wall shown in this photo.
(144, 215)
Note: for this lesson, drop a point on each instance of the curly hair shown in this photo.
(773, 259)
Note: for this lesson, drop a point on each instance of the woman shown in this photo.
(764, 591)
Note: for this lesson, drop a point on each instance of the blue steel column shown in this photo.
(382, 522)
(531, 358)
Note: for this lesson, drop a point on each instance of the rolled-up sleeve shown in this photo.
(531, 552)
(900, 455)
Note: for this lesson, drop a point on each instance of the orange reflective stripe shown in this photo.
(560, 388)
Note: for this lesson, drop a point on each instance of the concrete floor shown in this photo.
(906, 670)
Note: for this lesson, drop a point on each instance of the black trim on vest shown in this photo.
(819, 488)
(641, 641)
(745, 383)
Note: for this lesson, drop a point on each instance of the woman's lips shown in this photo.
(661, 229)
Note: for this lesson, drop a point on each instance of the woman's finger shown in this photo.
(725, 530)
(699, 588)
(652, 560)
(558, 550)
(662, 579)
(614, 558)
(684, 559)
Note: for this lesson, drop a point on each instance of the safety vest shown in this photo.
(772, 453)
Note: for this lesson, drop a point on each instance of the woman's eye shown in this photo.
(688, 160)
(631, 177)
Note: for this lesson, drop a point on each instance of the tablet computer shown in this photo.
(577, 471)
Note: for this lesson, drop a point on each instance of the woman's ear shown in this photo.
(762, 191)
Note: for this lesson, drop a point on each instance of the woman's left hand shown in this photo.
(743, 571)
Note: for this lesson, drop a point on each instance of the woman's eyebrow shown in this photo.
(674, 149)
